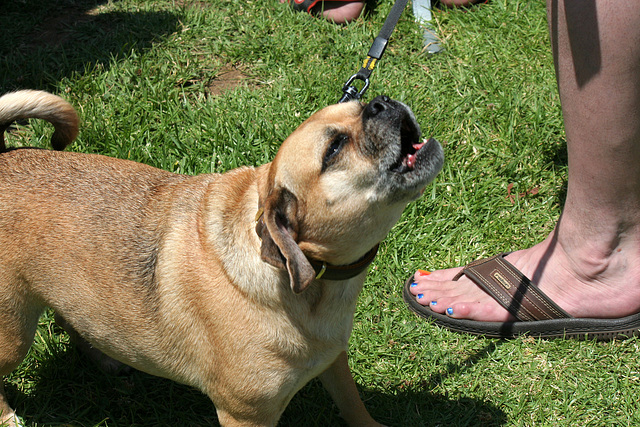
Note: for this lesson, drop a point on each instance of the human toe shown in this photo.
(437, 275)
(479, 311)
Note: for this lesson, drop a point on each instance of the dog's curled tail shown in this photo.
(26, 104)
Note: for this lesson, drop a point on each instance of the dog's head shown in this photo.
(340, 182)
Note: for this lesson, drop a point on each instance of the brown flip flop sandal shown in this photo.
(537, 315)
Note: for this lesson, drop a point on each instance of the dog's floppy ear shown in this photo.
(278, 234)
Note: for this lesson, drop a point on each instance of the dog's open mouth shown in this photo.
(406, 162)
(409, 147)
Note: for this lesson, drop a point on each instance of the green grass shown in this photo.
(140, 74)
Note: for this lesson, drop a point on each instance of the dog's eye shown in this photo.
(334, 148)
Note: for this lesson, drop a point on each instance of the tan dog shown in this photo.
(178, 277)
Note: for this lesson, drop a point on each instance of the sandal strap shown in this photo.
(307, 5)
(512, 289)
(303, 5)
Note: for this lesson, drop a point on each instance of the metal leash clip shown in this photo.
(350, 92)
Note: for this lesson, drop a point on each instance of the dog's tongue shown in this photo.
(411, 158)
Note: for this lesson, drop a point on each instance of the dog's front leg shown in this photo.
(338, 381)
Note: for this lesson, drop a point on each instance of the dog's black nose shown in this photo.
(377, 106)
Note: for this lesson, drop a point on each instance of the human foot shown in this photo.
(586, 282)
(340, 12)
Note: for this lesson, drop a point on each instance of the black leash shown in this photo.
(375, 53)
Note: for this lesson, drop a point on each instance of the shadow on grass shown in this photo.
(68, 389)
(416, 405)
(402, 405)
(44, 42)
(312, 406)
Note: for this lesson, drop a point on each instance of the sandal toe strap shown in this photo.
(512, 289)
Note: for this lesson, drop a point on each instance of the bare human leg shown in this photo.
(590, 264)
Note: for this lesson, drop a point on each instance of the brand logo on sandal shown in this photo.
(501, 279)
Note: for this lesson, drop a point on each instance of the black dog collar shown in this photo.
(328, 271)
(343, 272)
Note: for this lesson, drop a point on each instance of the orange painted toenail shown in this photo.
(424, 272)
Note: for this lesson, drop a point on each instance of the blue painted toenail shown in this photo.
(434, 302)
(450, 311)
(414, 284)
(420, 296)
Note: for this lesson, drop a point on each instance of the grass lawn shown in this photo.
(205, 86)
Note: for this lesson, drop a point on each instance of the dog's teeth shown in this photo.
(411, 161)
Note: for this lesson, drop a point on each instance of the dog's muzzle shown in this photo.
(393, 138)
